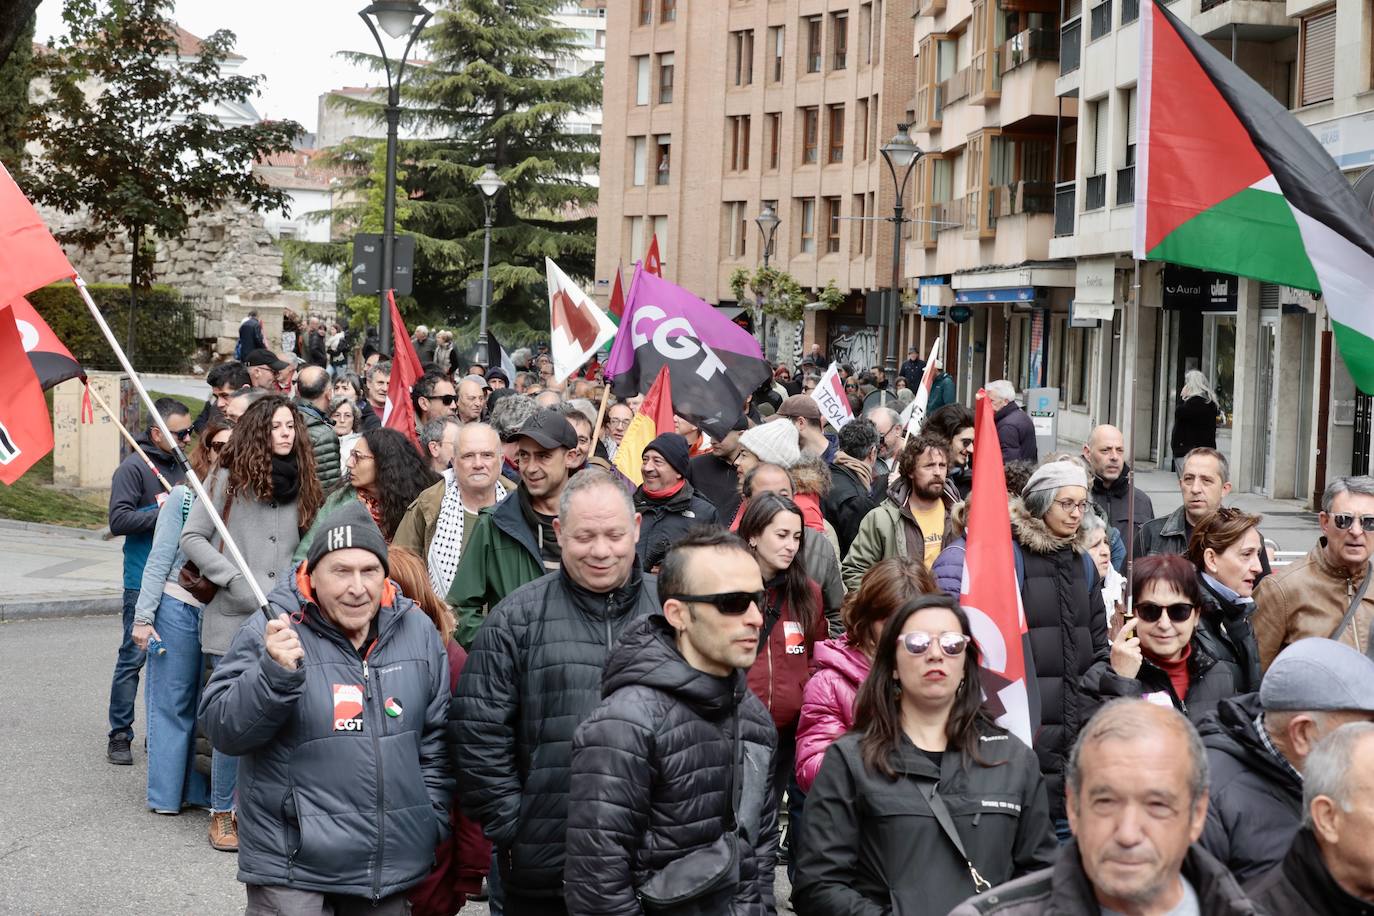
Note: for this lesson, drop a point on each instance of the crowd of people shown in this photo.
(492, 665)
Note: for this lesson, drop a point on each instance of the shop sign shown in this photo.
(1189, 289)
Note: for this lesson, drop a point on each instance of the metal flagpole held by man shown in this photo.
(1132, 349)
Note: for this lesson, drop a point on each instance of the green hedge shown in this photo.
(164, 325)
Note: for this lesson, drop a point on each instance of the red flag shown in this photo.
(617, 297)
(652, 262)
(29, 256)
(52, 361)
(990, 593)
(25, 430)
(405, 372)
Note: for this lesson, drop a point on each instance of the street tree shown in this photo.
(128, 135)
(15, 74)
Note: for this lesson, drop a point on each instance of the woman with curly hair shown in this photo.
(267, 492)
(385, 473)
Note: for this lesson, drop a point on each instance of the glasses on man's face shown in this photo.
(1343, 521)
(448, 400)
(183, 434)
(1150, 612)
(618, 424)
(951, 643)
(1069, 506)
(731, 604)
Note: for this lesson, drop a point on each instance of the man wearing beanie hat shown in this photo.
(302, 701)
(1062, 596)
(668, 503)
(774, 442)
(1257, 747)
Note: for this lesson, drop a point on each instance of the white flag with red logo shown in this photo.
(830, 398)
(577, 327)
(990, 594)
(915, 413)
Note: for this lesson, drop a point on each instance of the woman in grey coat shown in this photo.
(268, 492)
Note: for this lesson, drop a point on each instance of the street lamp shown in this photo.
(768, 227)
(899, 153)
(398, 19)
(490, 184)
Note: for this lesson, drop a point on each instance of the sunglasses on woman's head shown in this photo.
(731, 604)
(951, 643)
(1150, 612)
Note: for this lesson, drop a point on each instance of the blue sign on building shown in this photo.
(1004, 294)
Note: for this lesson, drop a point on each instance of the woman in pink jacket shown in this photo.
(842, 664)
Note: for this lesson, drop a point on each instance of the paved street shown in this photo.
(45, 564)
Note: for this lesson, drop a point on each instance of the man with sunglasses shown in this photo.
(312, 400)
(135, 495)
(434, 397)
(1325, 593)
(673, 768)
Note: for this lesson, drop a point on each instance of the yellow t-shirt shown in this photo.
(932, 522)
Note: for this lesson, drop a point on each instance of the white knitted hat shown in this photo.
(775, 442)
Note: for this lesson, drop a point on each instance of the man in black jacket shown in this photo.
(1330, 867)
(851, 482)
(678, 727)
(534, 673)
(1015, 430)
(1105, 453)
(1204, 480)
(714, 475)
(1258, 746)
(666, 500)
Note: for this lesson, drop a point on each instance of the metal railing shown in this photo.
(1032, 44)
(1095, 192)
(1064, 193)
(1070, 46)
(1125, 185)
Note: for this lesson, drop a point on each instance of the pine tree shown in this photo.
(15, 74)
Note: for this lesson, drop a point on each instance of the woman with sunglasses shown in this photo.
(168, 616)
(924, 760)
(267, 492)
(1156, 654)
(1228, 552)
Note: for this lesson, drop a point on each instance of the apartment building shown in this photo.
(713, 110)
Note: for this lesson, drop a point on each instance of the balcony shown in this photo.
(1063, 209)
(1032, 44)
(1029, 197)
(930, 7)
(1101, 17)
(1070, 47)
(1125, 186)
(953, 89)
(1248, 20)
(1095, 192)
(949, 214)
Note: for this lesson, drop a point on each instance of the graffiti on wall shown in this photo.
(855, 347)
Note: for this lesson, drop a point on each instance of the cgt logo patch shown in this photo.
(794, 640)
(348, 708)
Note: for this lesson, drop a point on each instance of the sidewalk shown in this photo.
(58, 572)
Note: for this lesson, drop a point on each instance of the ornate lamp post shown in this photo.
(398, 19)
(490, 184)
(899, 153)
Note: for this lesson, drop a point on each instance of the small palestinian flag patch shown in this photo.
(393, 707)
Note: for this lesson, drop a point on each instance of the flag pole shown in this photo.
(180, 456)
(95, 396)
(600, 415)
(1128, 397)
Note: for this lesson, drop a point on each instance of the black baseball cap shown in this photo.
(549, 428)
(264, 357)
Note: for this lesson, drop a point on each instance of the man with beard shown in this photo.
(714, 473)
(910, 522)
(667, 502)
(514, 541)
(1105, 453)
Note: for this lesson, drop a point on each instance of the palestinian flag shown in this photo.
(1228, 180)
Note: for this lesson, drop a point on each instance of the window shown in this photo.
(660, 224)
(640, 147)
(663, 151)
(646, 12)
(839, 40)
(1317, 58)
(1095, 187)
(877, 31)
(667, 11)
(865, 34)
(739, 143)
(872, 140)
(742, 49)
(813, 44)
(858, 210)
(637, 240)
(665, 79)
(641, 68)
(1125, 176)
(836, 153)
(776, 40)
(811, 125)
(861, 130)
(1101, 20)
(736, 232)
(868, 226)
(1130, 11)
(808, 225)
(832, 225)
(774, 122)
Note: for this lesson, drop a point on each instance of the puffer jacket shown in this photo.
(533, 674)
(1063, 889)
(1303, 884)
(650, 767)
(335, 793)
(1310, 598)
(1209, 682)
(871, 846)
(948, 568)
(664, 522)
(882, 534)
(1068, 634)
(1016, 432)
(1255, 804)
(827, 710)
(784, 661)
(324, 442)
(1227, 634)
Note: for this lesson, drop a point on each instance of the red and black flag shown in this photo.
(25, 431)
(51, 360)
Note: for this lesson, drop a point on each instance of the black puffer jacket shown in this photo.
(1068, 634)
(534, 673)
(872, 846)
(664, 522)
(650, 769)
(1228, 636)
(1255, 806)
(1209, 682)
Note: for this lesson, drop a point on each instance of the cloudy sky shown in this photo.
(290, 42)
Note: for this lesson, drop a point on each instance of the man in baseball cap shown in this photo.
(300, 694)
(263, 366)
(666, 501)
(514, 541)
(1257, 747)
(802, 411)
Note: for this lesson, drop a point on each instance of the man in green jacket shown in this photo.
(514, 541)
